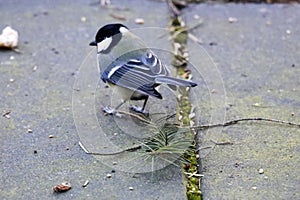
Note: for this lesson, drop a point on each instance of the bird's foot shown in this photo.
(139, 110)
(111, 111)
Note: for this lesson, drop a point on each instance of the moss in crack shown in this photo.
(192, 181)
(193, 192)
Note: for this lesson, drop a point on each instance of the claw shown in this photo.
(109, 110)
(139, 110)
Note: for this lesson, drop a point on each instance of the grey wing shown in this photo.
(142, 73)
(135, 74)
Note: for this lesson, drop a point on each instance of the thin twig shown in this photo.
(221, 143)
(235, 121)
(195, 39)
(133, 148)
(134, 115)
(206, 147)
(200, 127)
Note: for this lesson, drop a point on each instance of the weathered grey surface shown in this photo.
(255, 57)
(54, 37)
(258, 59)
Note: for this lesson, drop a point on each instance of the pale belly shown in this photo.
(127, 94)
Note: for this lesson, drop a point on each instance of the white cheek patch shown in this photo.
(123, 30)
(104, 44)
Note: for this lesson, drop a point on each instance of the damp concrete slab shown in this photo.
(40, 87)
(246, 66)
(249, 61)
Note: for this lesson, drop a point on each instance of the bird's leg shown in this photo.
(141, 110)
(109, 110)
(144, 105)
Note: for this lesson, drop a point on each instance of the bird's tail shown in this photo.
(174, 81)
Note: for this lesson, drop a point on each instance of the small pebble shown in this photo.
(108, 175)
(292, 114)
(35, 151)
(256, 105)
(261, 171)
(268, 23)
(139, 21)
(51, 136)
(83, 19)
(115, 163)
(29, 130)
(34, 68)
(11, 57)
(232, 19)
(196, 16)
(130, 188)
(254, 188)
(11, 80)
(288, 31)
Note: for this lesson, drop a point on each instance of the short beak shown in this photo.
(93, 43)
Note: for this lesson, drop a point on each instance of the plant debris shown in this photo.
(63, 187)
(118, 17)
(6, 114)
(85, 183)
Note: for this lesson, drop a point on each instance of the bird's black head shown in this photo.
(108, 36)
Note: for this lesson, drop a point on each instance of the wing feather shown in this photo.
(143, 73)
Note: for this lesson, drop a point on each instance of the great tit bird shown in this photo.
(133, 68)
